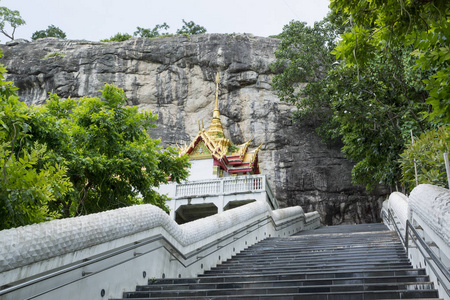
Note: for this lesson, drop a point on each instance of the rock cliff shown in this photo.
(174, 77)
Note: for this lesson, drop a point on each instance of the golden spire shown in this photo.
(215, 129)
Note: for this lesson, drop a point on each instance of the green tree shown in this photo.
(303, 60)
(151, 33)
(374, 108)
(51, 31)
(26, 189)
(190, 28)
(370, 107)
(12, 18)
(384, 26)
(119, 37)
(111, 160)
(428, 153)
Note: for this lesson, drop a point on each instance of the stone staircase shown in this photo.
(339, 262)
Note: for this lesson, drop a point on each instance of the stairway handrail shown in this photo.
(176, 254)
(133, 246)
(410, 228)
(405, 241)
(402, 239)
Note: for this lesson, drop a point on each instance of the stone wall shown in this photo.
(174, 77)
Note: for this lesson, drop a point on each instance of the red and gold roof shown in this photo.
(212, 143)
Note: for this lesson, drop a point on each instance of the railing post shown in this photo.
(407, 236)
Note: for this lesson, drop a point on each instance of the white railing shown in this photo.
(244, 184)
(422, 222)
(227, 186)
(198, 188)
(113, 251)
(221, 186)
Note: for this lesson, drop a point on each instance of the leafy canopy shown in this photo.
(428, 153)
(119, 37)
(27, 189)
(151, 33)
(190, 28)
(369, 106)
(384, 26)
(303, 56)
(111, 160)
(12, 18)
(71, 157)
(51, 31)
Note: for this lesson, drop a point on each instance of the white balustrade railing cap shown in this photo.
(223, 179)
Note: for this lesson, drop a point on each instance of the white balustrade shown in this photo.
(223, 185)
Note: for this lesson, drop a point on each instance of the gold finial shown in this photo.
(203, 125)
(199, 129)
(215, 129)
(216, 107)
(217, 86)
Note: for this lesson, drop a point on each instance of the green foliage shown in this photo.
(370, 105)
(427, 152)
(151, 33)
(51, 31)
(111, 160)
(12, 18)
(374, 109)
(387, 25)
(119, 37)
(78, 156)
(303, 56)
(190, 28)
(26, 189)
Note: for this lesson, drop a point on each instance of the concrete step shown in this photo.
(234, 263)
(316, 275)
(349, 262)
(310, 268)
(304, 248)
(274, 279)
(408, 280)
(284, 294)
(323, 248)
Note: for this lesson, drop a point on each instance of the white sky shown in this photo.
(94, 20)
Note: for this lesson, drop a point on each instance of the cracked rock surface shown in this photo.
(174, 78)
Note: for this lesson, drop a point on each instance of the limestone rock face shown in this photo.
(174, 78)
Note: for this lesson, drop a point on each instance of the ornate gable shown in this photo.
(230, 158)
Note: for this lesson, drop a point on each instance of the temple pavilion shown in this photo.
(222, 175)
(211, 150)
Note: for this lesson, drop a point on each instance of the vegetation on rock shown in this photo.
(152, 33)
(118, 37)
(51, 31)
(189, 28)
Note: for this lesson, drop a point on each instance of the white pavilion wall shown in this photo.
(201, 169)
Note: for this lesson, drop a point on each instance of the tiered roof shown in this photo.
(209, 143)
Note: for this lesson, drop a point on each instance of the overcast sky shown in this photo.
(94, 20)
